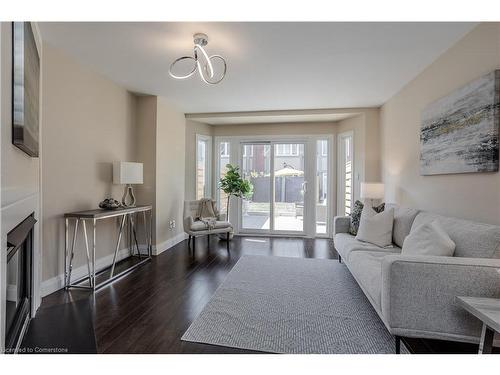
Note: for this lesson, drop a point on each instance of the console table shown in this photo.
(123, 215)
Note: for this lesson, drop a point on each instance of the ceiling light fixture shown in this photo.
(203, 63)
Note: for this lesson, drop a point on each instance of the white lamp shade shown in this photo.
(125, 172)
(372, 190)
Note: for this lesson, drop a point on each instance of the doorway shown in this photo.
(291, 187)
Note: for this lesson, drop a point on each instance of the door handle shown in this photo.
(304, 187)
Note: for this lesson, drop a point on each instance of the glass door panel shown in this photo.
(255, 167)
(289, 187)
(223, 160)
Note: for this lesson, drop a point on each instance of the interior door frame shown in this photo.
(310, 144)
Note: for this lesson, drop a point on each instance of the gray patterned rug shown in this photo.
(291, 305)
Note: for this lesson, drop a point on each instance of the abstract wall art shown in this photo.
(459, 133)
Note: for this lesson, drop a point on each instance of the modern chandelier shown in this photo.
(203, 63)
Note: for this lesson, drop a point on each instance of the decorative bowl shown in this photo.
(110, 204)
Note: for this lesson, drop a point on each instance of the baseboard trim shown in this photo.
(168, 244)
(56, 283)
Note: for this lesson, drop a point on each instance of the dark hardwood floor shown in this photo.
(148, 310)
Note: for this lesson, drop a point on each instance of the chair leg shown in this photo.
(194, 244)
(398, 344)
(340, 259)
(227, 241)
(208, 240)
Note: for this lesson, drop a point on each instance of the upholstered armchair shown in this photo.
(196, 228)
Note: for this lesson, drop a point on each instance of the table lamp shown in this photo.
(372, 190)
(127, 173)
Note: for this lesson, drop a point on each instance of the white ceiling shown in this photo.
(271, 66)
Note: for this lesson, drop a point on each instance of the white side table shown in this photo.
(488, 311)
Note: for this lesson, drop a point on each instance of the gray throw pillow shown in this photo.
(428, 239)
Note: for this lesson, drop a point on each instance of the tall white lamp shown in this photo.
(372, 190)
(127, 173)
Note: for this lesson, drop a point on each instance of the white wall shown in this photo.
(473, 196)
(170, 170)
(145, 150)
(89, 122)
(160, 145)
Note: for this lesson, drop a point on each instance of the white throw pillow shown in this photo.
(376, 228)
(428, 239)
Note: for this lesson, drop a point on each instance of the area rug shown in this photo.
(291, 305)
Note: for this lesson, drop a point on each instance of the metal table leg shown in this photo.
(132, 223)
(486, 343)
(75, 234)
(150, 250)
(122, 224)
(146, 235)
(93, 253)
(66, 249)
(87, 251)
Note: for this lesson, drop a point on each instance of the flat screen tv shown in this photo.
(25, 88)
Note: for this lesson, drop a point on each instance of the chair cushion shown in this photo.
(201, 226)
(472, 239)
(345, 244)
(366, 267)
(403, 220)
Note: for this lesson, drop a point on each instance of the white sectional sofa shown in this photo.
(415, 295)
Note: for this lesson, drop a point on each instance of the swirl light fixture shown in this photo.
(203, 63)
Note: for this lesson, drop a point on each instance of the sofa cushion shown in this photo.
(403, 220)
(345, 244)
(472, 239)
(428, 239)
(366, 267)
(200, 225)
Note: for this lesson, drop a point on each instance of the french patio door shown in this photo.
(279, 173)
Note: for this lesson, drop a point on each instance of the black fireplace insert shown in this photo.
(19, 282)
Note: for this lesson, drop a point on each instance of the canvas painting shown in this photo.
(25, 90)
(459, 133)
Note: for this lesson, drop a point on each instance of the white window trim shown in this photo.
(324, 149)
(245, 155)
(341, 172)
(226, 153)
(208, 182)
(282, 152)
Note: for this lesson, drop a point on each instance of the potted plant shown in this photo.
(234, 185)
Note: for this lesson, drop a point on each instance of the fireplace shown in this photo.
(19, 282)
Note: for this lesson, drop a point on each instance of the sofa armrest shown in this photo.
(341, 224)
(418, 294)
